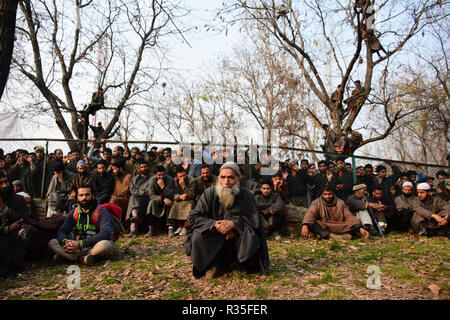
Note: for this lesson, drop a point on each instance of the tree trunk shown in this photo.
(8, 9)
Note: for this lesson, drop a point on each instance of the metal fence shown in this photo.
(258, 161)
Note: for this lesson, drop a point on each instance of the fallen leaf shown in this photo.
(434, 289)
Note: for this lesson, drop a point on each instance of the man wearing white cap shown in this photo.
(431, 214)
(225, 229)
(403, 204)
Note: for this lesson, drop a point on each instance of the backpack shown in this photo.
(116, 218)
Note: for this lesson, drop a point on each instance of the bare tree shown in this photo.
(315, 32)
(63, 37)
(196, 110)
(8, 10)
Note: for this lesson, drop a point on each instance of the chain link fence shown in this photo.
(304, 173)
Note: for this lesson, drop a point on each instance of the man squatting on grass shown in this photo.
(226, 230)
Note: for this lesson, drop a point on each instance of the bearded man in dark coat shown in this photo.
(403, 205)
(225, 229)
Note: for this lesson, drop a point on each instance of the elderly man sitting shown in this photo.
(225, 229)
(403, 205)
(359, 206)
(431, 213)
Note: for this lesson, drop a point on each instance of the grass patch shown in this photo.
(110, 280)
(327, 277)
(334, 293)
(49, 295)
(142, 242)
(260, 292)
(359, 283)
(335, 246)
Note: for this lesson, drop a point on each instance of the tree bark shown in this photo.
(8, 10)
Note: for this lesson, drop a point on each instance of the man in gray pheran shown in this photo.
(225, 229)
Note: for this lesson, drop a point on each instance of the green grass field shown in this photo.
(410, 267)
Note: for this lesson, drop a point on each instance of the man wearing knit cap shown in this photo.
(431, 214)
(82, 178)
(404, 204)
(359, 204)
(225, 229)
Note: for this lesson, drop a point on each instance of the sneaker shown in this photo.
(149, 233)
(89, 260)
(171, 232)
(277, 236)
(184, 232)
(344, 236)
(179, 230)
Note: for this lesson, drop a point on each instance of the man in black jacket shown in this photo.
(386, 182)
(297, 181)
(92, 234)
(102, 183)
(342, 182)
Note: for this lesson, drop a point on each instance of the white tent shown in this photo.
(10, 125)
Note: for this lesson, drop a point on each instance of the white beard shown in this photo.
(227, 195)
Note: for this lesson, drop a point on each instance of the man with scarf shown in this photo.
(204, 181)
(431, 213)
(102, 182)
(79, 179)
(121, 191)
(13, 235)
(79, 238)
(342, 181)
(225, 229)
(404, 204)
(329, 217)
(139, 198)
(271, 208)
(160, 191)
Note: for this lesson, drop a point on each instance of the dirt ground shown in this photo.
(392, 268)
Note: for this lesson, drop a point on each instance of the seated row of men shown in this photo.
(156, 197)
(331, 217)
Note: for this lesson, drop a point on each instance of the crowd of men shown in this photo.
(226, 209)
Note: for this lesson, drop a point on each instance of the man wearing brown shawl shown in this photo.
(329, 217)
(183, 202)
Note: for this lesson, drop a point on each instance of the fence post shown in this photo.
(44, 170)
(354, 169)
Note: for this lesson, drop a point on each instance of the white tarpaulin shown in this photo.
(10, 125)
